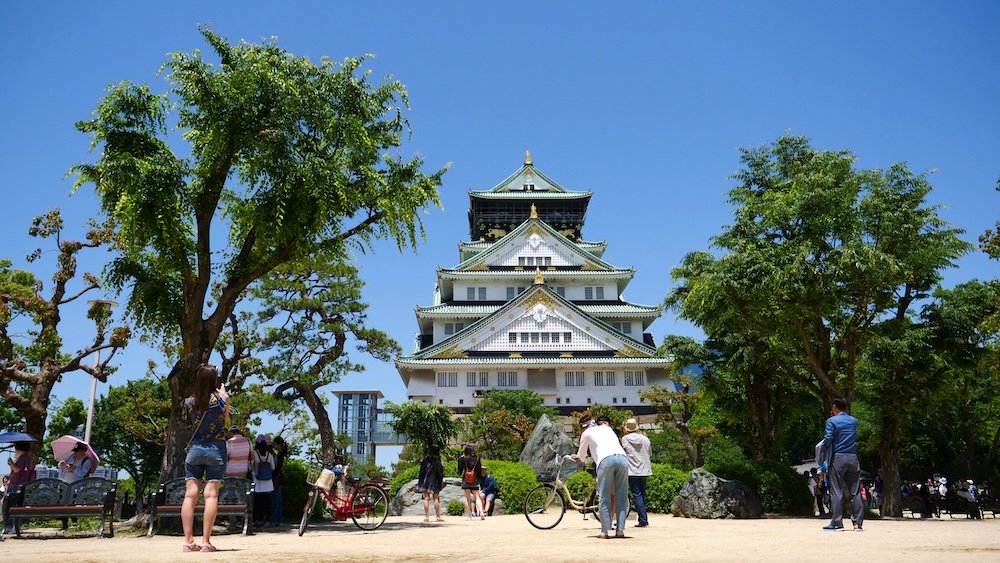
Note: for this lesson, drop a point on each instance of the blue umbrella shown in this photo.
(16, 437)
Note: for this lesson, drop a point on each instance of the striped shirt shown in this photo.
(239, 456)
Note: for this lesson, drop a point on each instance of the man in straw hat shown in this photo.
(638, 452)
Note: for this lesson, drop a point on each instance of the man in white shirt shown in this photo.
(639, 452)
(612, 471)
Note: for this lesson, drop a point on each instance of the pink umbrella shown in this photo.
(62, 447)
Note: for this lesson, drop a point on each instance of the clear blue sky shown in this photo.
(644, 103)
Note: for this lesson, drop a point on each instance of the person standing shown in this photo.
(22, 471)
(841, 445)
(817, 489)
(612, 471)
(262, 467)
(206, 410)
(469, 468)
(430, 481)
(238, 446)
(280, 449)
(639, 453)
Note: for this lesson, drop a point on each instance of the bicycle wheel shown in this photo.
(593, 506)
(544, 507)
(307, 510)
(369, 507)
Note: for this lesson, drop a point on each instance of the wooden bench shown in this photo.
(989, 504)
(235, 499)
(55, 498)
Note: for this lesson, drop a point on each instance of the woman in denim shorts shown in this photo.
(208, 413)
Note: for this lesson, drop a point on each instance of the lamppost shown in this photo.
(108, 304)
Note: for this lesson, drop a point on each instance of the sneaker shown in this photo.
(833, 527)
(857, 527)
(642, 524)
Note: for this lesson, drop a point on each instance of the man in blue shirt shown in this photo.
(841, 443)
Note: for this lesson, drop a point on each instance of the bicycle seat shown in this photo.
(354, 480)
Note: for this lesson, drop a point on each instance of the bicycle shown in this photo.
(545, 505)
(366, 502)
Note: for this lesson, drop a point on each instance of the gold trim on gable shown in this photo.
(451, 353)
(588, 265)
(514, 355)
(539, 297)
(629, 352)
(479, 266)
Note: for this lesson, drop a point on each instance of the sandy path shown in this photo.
(510, 538)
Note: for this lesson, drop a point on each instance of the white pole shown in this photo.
(93, 395)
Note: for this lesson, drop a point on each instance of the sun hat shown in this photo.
(263, 439)
(631, 425)
(79, 447)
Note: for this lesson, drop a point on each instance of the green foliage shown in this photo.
(402, 478)
(130, 425)
(514, 481)
(423, 425)
(294, 487)
(70, 415)
(581, 484)
(501, 423)
(455, 508)
(781, 489)
(663, 485)
(617, 416)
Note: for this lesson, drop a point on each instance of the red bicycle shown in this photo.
(366, 502)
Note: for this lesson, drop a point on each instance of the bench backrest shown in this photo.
(56, 492)
(91, 490)
(233, 490)
(43, 492)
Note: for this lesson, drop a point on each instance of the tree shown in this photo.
(423, 425)
(969, 379)
(501, 423)
(315, 305)
(70, 415)
(130, 430)
(285, 156)
(818, 253)
(678, 406)
(32, 359)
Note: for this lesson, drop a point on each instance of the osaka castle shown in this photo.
(531, 304)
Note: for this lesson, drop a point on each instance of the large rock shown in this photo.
(708, 496)
(409, 502)
(547, 440)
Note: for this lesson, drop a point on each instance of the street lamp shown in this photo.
(93, 379)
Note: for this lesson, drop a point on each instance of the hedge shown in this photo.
(781, 489)
(514, 481)
(663, 485)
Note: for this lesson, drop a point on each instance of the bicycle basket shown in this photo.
(545, 477)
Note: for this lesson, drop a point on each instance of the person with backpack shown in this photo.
(469, 468)
(76, 466)
(207, 411)
(262, 466)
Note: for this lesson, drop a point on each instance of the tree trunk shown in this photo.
(327, 437)
(888, 452)
(763, 419)
(181, 381)
(693, 455)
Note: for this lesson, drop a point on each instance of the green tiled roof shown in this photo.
(410, 361)
(588, 256)
(556, 188)
(533, 195)
(529, 273)
(448, 310)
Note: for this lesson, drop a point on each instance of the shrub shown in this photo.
(514, 480)
(402, 478)
(580, 485)
(663, 485)
(781, 489)
(455, 508)
(294, 488)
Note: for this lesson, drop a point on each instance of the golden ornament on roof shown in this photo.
(534, 211)
(527, 158)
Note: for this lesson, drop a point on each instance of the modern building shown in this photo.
(532, 305)
(360, 418)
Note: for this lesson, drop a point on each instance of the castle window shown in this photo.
(448, 379)
(574, 378)
(635, 378)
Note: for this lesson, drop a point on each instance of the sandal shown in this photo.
(208, 547)
(191, 547)
(602, 536)
(439, 519)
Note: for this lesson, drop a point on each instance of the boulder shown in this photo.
(707, 496)
(547, 440)
(408, 502)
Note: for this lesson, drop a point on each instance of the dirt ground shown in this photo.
(511, 538)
